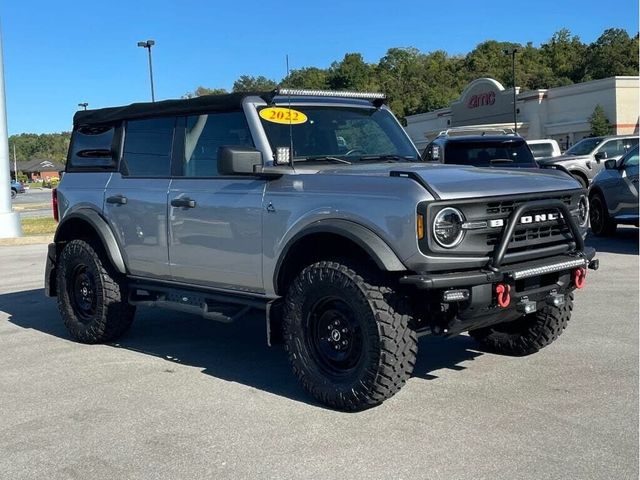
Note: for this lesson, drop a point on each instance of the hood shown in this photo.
(450, 182)
(562, 158)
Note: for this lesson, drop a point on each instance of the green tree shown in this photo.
(613, 53)
(248, 83)
(564, 56)
(310, 77)
(352, 73)
(599, 122)
(200, 91)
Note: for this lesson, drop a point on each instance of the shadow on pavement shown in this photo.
(234, 352)
(625, 241)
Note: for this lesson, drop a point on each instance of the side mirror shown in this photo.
(610, 164)
(238, 160)
(600, 156)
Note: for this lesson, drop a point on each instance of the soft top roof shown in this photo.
(206, 103)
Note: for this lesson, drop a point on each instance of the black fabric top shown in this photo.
(205, 103)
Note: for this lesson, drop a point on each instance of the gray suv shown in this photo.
(585, 159)
(313, 208)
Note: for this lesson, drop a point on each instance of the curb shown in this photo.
(28, 240)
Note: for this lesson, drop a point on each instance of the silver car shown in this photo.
(613, 196)
(585, 159)
(313, 208)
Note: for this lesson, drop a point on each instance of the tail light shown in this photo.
(54, 203)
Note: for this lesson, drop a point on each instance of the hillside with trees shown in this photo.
(416, 81)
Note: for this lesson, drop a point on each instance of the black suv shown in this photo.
(479, 149)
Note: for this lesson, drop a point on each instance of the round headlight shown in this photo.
(583, 210)
(447, 227)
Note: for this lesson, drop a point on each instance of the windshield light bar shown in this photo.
(331, 93)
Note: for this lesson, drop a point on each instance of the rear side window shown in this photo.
(506, 153)
(91, 147)
(541, 150)
(147, 147)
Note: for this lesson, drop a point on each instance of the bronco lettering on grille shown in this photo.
(527, 219)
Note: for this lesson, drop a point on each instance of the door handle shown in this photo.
(183, 202)
(117, 199)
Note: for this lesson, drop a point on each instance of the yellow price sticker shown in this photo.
(283, 115)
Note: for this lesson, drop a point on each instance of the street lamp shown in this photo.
(148, 44)
(84, 105)
(512, 52)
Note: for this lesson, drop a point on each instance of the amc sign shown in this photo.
(482, 99)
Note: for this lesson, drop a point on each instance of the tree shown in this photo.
(600, 125)
(613, 53)
(352, 73)
(248, 83)
(311, 78)
(565, 57)
(200, 91)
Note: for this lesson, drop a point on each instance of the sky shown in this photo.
(61, 53)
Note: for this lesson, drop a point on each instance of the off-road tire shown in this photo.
(602, 225)
(379, 322)
(529, 333)
(107, 314)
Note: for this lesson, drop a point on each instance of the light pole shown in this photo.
(512, 52)
(148, 44)
(84, 105)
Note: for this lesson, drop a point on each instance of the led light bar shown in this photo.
(556, 267)
(330, 93)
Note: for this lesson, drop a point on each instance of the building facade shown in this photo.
(561, 113)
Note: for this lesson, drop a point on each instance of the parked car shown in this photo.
(584, 159)
(16, 188)
(479, 148)
(312, 207)
(544, 148)
(613, 197)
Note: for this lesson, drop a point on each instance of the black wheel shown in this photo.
(529, 333)
(347, 336)
(14, 193)
(92, 298)
(581, 179)
(601, 223)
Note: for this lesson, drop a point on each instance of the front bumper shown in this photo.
(508, 273)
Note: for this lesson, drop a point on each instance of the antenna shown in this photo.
(290, 119)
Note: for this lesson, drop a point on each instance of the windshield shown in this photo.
(341, 134)
(584, 147)
(490, 154)
(541, 150)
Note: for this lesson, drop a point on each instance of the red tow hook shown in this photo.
(503, 295)
(579, 277)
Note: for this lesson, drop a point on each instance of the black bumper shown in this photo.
(507, 273)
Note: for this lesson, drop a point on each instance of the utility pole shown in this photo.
(9, 220)
(513, 52)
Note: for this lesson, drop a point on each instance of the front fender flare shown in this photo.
(379, 251)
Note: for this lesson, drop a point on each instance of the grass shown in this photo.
(38, 226)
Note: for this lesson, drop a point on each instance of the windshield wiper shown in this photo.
(500, 160)
(387, 158)
(327, 158)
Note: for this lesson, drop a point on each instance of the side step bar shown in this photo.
(213, 306)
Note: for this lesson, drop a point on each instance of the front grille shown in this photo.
(505, 207)
(527, 237)
(533, 236)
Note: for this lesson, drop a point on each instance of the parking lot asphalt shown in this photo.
(183, 397)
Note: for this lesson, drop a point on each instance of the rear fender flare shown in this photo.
(104, 232)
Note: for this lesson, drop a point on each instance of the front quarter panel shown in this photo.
(384, 205)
